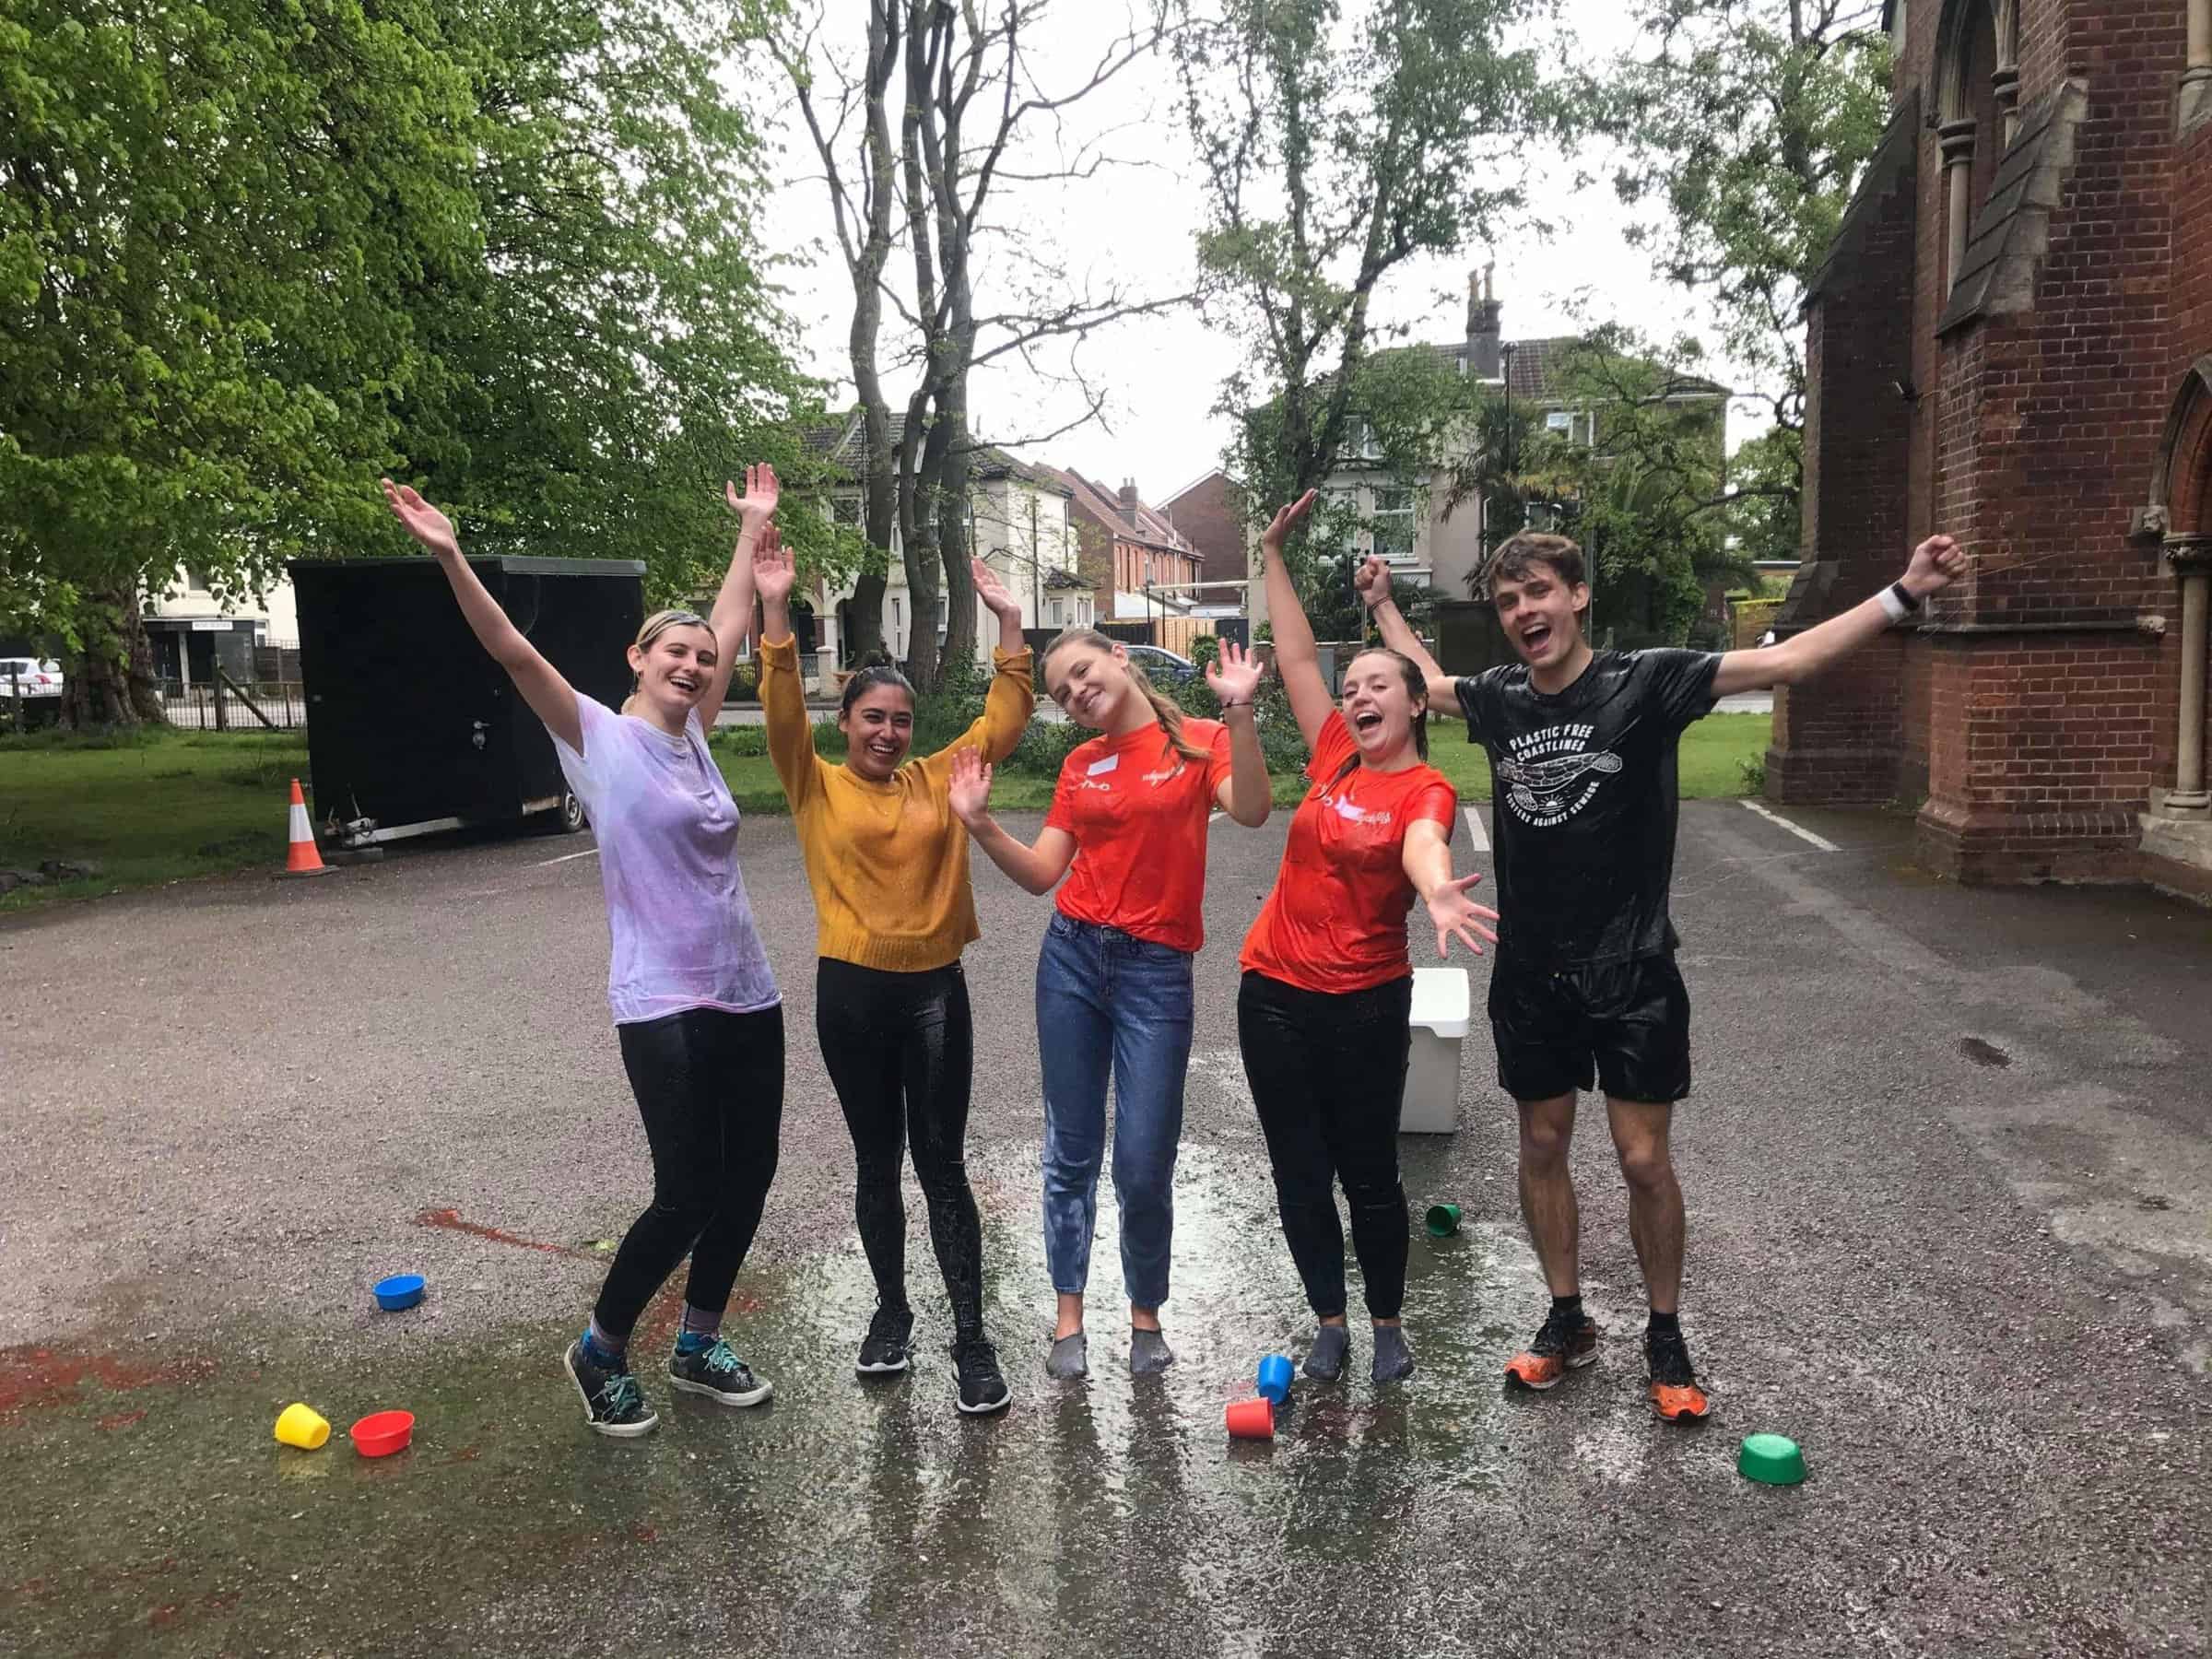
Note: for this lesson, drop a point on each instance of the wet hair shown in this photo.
(1163, 710)
(867, 679)
(1521, 551)
(651, 629)
(1416, 687)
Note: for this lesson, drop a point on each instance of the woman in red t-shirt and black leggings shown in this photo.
(1113, 979)
(1322, 1013)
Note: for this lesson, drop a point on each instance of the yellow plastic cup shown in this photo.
(300, 1426)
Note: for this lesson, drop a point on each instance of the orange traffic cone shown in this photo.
(300, 858)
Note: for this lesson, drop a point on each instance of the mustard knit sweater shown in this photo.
(888, 862)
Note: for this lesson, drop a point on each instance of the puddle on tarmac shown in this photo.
(842, 1507)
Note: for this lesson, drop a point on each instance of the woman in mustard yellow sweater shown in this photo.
(888, 864)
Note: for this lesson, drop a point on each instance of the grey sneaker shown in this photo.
(1148, 1353)
(1324, 1359)
(1394, 1355)
(613, 1402)
(716, 1371)
(1070, 1358)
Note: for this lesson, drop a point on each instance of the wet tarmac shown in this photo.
(1949, 1228)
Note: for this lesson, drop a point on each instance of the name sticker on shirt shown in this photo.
(1106, 765)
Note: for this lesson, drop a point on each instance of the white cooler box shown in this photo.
(1439, 1025)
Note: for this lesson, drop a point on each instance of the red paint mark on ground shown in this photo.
(658, 1325)
(121, 1419)
(91, 1578)
(451, 1220)
(467, 1454)
(32, 1378)
(645, 1534)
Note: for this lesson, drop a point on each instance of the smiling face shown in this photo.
(1380, 705)
(1092, 682)
(878, 725)
(1541, 613)
(674, 666)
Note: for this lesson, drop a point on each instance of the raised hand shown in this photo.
(971, 787)
(1234, 674)
(1456, 915)
(1287, 519)
(1936, 563)
(423, 521)
(773, 571)
(758, 504)
(993, 592)
(1373, 580)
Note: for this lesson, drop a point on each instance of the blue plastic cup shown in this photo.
(401, 1291)
(1275, 1378)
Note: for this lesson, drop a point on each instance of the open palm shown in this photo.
(758, 504)
(993, 592)
(1234, 674)
(422, 520)
(1457, 916)
(971, 787)
(773, 570)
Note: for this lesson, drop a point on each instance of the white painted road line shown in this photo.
(587, 853)
(1799, 831)
(1479, 841)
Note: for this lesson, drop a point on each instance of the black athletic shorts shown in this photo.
(1625, 1025)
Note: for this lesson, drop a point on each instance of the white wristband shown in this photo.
(1896, 608)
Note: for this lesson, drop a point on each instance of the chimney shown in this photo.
(1130, 503)
(1482, 335)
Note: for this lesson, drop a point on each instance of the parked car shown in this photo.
(37, 676)
(1160, 665)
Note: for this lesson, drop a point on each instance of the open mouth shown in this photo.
(1534, 637)
(886, 752)
(686, 684)
(1365, 721)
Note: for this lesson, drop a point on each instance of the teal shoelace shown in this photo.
(620, 1396)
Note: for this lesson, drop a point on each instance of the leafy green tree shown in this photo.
(1334, 146)
(1746, 125)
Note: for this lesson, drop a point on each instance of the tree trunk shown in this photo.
(111, 681)
(920, 454)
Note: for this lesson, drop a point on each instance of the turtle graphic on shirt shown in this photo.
(1538, 788)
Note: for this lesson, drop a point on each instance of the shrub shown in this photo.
(1754, 773)
(739, 740)
(1205, 649)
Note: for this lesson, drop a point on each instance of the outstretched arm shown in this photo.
(1295, 657)
(550, 698)
(1234, 677)
(783, 695)
(1372, 579)
(1011, 700)
(1037, 869)
(733, 617)
(1935, 564)
(1426, 859)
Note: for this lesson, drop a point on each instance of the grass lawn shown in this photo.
(146, 810)
(168, 805)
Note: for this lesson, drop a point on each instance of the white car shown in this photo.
(36, 676)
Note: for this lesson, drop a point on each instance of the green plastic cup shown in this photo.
(1442, 1220)
(1771, 1459)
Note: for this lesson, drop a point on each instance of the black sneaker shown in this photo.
(1561, 1346)
(884, 1348)
(716, 1371)
(613, 1402)
(983, 1390)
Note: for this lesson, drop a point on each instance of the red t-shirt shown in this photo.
(1138, 812)
(1336, 919)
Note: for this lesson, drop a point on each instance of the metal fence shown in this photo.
(225, 705)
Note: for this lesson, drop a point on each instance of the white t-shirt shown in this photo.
(682, 929)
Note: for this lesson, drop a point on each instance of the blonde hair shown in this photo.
(654, 627)
(1163, 710)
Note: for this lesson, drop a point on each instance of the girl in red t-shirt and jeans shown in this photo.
(1113, 980)
(1322, 1013)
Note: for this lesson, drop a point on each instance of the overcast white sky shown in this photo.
(1135, 224)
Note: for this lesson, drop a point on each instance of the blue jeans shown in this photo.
(1107, 1001)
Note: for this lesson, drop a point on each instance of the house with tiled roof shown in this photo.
(1404, 518)
(1136, 564)
(1019, 524)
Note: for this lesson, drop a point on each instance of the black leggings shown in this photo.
(709, 1087)
(901, 1050)
(1328, 1075)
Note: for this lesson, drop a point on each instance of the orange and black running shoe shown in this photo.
(1675, 1396)
(1561, 1346)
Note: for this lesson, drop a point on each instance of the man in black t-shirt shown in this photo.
(1584, 991)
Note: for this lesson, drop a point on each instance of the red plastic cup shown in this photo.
(1252, 1419)
(382, 1433)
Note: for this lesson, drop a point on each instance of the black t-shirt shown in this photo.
(1583, 787)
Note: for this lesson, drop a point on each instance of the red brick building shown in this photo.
(2012, 342)
(1210, 513)
(1135, 563)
